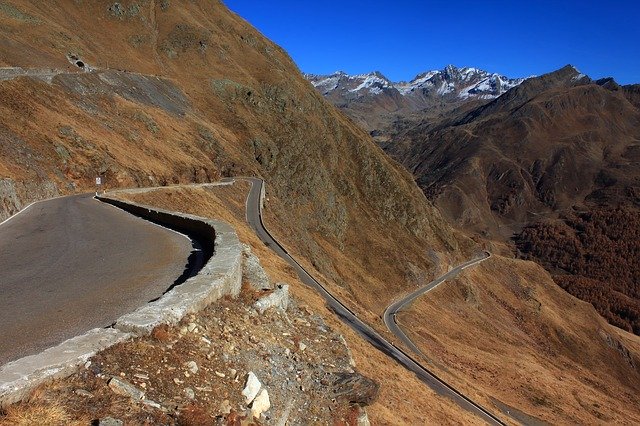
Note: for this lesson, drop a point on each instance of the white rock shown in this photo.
(251, 388)
(110, 421)
(363, 418)
(150, 403)
(84, 393)
(125, 388)
(225, 407)
(260, 404)
(191, 366)
(278, 299)
(189, 393)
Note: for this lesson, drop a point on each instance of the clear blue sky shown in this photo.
(401, 38)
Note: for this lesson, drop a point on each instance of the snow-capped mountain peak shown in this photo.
(371, 83)
(451, 82)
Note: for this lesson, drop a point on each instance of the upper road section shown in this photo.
(392, 310)
(71, 264)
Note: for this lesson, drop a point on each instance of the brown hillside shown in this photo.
(551, 143)
(517, 336)
(226, 101)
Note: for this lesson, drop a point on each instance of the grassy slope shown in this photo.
(513, 334)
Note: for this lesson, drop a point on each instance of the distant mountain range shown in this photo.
(375, 102)
(496, 153)
(553, 160)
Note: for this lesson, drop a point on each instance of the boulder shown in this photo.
(109, 421)
(225, 407)
(191, 366)
(122, 387)
(278, 299)
(189, 393)
(260, 404)
(363, 418)
(251, 388)
(355, 388)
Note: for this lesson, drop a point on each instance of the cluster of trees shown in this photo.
(595, 256)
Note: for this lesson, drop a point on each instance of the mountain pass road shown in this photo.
(390, 314)
(71, 264)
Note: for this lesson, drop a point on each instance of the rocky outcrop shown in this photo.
(253, 271)
(227, 362)
(355, 388)
(14, 196)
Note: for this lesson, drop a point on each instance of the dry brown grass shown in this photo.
(484, 334)
(35, 414)
(39, 409)
(161, 333)
(505, 330)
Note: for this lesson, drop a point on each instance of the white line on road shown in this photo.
(13, 216)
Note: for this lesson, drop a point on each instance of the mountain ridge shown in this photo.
(465, 82)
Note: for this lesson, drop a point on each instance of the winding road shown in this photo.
(254, 218)
(71, 264)
(392, 310)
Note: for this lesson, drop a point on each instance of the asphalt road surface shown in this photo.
(392, 310)
(254, 218)
(71, 264)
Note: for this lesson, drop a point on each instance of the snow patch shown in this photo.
(374, 82)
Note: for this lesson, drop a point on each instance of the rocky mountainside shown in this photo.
(147, 93)
(373, 100)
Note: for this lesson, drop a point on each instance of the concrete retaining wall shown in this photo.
(221, 275)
